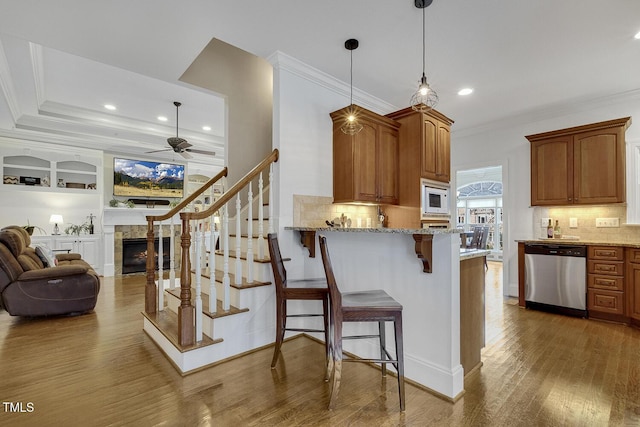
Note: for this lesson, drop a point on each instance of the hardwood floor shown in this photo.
(100, 369)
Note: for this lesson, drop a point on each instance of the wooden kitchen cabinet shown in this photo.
(425, 151)
(633, 285)
(365, 165)
(579, 165)
(606, 283)
(425, 148)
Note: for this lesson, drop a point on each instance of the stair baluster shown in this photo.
(160, 271)
(250, 235)
(172, 255)
(198, 274)
(238, 276)
(261, 241)
(213, 303)
(226, 281)
(271, 229)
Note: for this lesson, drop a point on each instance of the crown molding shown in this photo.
(37, 66)
(282, 61)
(7, 87)
(551, 111)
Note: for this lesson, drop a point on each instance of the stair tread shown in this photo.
(205, 304)
(167, 323)
(243, 255)
(219, 274)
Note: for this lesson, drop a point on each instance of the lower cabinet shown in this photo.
(88, 246)
(633, 285)
(606, 283)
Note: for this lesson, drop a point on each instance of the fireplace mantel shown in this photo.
(129, 216)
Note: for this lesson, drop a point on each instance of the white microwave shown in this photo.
(434, 198)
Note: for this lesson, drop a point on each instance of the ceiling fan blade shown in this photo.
(157, 151)
(193, 150)
(183, 144)
(186, 155)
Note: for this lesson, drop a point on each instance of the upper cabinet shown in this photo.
(424, 151)
(579, 165)
(365, 165)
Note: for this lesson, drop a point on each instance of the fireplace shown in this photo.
(134, 255)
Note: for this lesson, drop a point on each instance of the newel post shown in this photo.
(150, 291)
(186, 311)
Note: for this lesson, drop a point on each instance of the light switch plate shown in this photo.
(545, 222)
(573, 222)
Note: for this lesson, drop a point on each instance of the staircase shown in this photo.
(220, 303)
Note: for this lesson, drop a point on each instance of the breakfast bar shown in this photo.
(443, 309)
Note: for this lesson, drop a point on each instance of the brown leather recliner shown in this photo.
(28, 288)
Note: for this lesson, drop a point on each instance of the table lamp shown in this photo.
(56, 219)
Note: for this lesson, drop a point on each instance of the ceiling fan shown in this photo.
(180, 145)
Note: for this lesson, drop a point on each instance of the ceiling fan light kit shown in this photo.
(425, 98)
(351, 125)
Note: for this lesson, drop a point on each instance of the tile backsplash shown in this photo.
(313, 211)
(586, 223)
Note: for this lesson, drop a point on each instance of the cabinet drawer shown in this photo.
(613, 268)
(605, 301)
(633, 255)
(611, 283)
(612, 253)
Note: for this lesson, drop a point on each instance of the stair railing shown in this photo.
(154, 294)
(190, 315)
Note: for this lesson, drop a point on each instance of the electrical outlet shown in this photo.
(607, 222)
(573, 222)
(545, 222)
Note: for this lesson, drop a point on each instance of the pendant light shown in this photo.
(351, 125)
(425, 98)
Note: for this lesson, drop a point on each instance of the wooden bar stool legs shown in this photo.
(365, 306)
(295, 290)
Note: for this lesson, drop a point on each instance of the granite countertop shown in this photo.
(541, 241)
(473, 253)
(381, 230)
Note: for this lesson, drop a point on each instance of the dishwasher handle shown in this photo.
(556, 250)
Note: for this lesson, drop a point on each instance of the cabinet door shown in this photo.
(90, 250)
(443, 153)
(599, 167)
(633, 291)
(364, 153)
(428, 168)
(387, 166)
(552, 171)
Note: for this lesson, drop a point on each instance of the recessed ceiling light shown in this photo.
(637, 36)
(162, 118)
(206, 127)
(110, 107)
(465, 91)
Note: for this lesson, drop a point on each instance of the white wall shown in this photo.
(504, 143)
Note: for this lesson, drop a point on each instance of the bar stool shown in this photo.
(364, 306)
(295, 290)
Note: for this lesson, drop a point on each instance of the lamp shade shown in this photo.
(56, 219)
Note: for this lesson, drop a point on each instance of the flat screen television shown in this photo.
(141, 178)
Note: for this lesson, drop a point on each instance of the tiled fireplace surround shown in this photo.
(130, 223)
(123, 232)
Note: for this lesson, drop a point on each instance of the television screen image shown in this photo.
(140, 178)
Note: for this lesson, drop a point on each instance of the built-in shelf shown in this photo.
(51, 171)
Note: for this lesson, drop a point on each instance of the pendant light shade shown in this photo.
(425, 98)
(351, 125)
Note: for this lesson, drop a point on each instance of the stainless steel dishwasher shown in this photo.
(556, 278)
